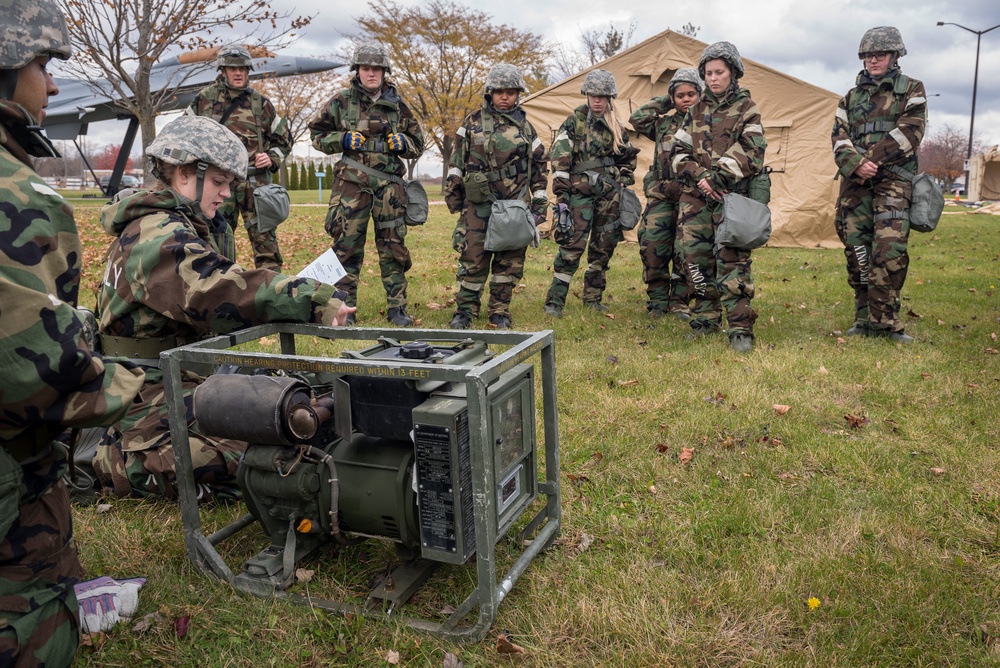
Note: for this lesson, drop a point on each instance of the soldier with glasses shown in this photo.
(876, 133)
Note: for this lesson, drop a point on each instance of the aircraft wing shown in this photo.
(77, 104)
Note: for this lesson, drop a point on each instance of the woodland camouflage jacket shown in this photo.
(658, 121)
(50, 377)
(168, 275)
(275, 135)
(504, 157)
(721, 140)
(880, 120)
(585, 138)
(352, 109)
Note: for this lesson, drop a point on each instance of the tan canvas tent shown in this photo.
(984, 176)
(798, 118)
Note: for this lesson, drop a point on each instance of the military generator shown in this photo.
(429, 443)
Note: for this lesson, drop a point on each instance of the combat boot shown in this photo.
(742, 342)
(858, 329)
(462, 320)
(655, 313)
(500, 321)
(597, 306)
(398, 316)
(553, 310)
(351, 319)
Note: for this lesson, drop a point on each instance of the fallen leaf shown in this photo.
(304, 575)
(661, 447)
(841, 340)
(586, 540)
(913, 315)
(937, 470)
(652, 489)
(103, 507)
(447, 610)
(451, 661)
(822, 370)
(94, 640)
(940, 322)
(924, 374)
(392, 657)
(629, 383)
(597, 456)
(856, 421)
(972, 290)
(687, 454)
(181, 625)
(781, 409)
(578, 480)
(148, 622)
(434, 306)
(612, 359)
(506, 646)
(609, 316)
(993, 335)
(992, 351)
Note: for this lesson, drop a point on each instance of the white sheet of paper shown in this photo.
(326, 268)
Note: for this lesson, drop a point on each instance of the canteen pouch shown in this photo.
(746, 223)
(926, 204)
(511, 226)
(629, 209)
(272, 204)
(417, 204)
(477, 187)
(759, 189)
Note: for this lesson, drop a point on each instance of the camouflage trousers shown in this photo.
(872, 222)
(136, 456)
(504, 268)
(351, 205)
(38, 563)
(266, 254)
(719, 279)
(660, 252)
(589, 214)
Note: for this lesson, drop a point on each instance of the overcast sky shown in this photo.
(814, 41)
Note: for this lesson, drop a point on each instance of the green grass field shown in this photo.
(859, 527)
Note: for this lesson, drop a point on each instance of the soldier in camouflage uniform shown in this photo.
(662, 269)
(499, 144)
(266, 136)
(170, 280)
(591, 159)
(51, 380)
(876, 133)
(374, 129)
(717, 150)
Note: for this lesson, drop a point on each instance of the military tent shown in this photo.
(984, 176)
(797, 116)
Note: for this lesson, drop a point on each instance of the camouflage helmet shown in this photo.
(503, 75)
(883, 38)
(725, 51)
(234, 55)
(599, 83)
(686, 75)
(31, 29)
(191, 139)
(371, 53)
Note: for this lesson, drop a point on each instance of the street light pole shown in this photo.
(975, 84)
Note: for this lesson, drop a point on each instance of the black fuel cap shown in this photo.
(416, 350)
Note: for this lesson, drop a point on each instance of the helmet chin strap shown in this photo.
(200, 182)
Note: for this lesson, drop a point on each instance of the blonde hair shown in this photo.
(617, 127)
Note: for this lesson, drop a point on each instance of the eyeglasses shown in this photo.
(879, 55)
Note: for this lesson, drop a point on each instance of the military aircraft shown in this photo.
(79, 104)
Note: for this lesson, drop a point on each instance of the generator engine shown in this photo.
(343, 458)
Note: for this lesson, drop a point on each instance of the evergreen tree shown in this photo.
(293, 176)
(313, 180)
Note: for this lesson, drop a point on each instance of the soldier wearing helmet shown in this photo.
(266, 136)
(592, 162)
(171, 279)
(876, 133)
(718, 149)
(658, 120)
(497, 156)
(52, 380)
(374, 131)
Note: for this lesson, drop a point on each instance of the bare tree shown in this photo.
(595, 46)
(688, 30)
(942, 154)
(118, 43)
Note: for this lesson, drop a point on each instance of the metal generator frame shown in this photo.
(492, 587)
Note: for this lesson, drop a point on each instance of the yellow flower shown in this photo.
(813, 603)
